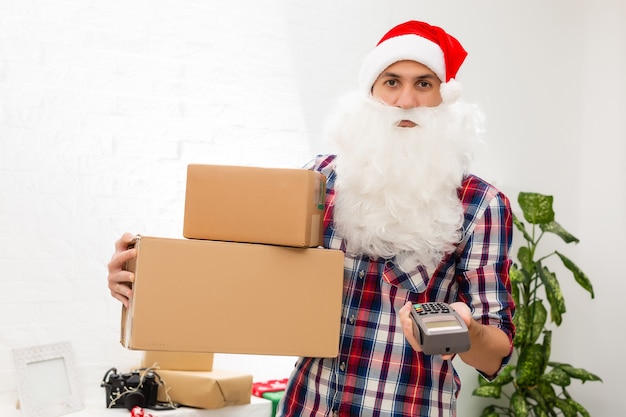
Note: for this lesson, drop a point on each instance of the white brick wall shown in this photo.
(103, 104)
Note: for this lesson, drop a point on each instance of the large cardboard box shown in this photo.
(178, 361)
(214, 389)
(276, 206)
(226, 297)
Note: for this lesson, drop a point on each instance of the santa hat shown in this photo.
(416, 41)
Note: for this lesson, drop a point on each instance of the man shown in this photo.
(415, 227)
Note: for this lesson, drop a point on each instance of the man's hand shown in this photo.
(407, 325)
(119, 279)
(488, 343)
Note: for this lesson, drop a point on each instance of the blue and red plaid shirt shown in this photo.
(377, 372)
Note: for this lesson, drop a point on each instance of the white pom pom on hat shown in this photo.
(417, 41)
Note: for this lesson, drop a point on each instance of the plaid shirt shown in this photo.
(377, 373)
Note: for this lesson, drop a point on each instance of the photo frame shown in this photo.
(47, 381)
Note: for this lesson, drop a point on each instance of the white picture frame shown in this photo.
(47, 380)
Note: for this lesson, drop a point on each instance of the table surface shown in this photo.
(94, 407)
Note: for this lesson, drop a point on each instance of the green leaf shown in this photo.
(530, 365)
(525, 258)
(578, 407)
(518, 405)
(557, 229)
(579, 275)
(568, 409)
(547, 392)
(557, 376)
(516, 276)
(521, 320)
(489, 412)
(547, 343)
(577, 373)
(553, 292)
(504, 377)
(520, 226)
(537, 208)
(540, 412)
(515, 294)
(538, 317)
(491, 391)
(541, 403)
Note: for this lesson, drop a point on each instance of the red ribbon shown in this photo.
(139, 412)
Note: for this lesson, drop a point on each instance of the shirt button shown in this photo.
(361, 274)
(342, 366)
(352, 319)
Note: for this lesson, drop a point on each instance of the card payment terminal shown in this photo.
(439, 329)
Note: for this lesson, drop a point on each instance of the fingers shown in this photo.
(121, 255)
(119, 279)
(119, 259)
(119, 289)
(407, 326)
(122, 243)
(123, 299)
(464, 311)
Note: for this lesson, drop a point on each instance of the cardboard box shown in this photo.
(275, 206)
(178, 361)
(214, 389)
(210, 296)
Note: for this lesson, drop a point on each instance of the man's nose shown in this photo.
(407, 99)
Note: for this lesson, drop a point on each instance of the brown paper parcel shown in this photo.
(276, 206)
(214, 389)
(225, 297)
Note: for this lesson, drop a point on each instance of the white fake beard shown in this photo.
(396, 188)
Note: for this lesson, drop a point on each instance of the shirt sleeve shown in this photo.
(483, 269)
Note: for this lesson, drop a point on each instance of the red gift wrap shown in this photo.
(273, 385)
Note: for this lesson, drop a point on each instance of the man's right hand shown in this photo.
(119, 279)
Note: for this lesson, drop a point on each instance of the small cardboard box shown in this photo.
(178, 361)
(215, 389)
(275, 206)
(211, 296)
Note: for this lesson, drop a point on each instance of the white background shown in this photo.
(103, 103)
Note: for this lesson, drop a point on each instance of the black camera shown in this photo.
(129, 390)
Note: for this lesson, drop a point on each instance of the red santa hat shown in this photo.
(420, 42)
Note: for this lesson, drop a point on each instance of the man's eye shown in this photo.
(392, 83)
(423, 84)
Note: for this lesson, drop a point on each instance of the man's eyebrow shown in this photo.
(419, 77)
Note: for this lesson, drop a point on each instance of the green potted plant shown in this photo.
(533, 383)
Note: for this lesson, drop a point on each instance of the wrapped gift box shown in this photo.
(214, 389)
(272, 385)
(272, 390)
(275, 398)
(276, 206)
